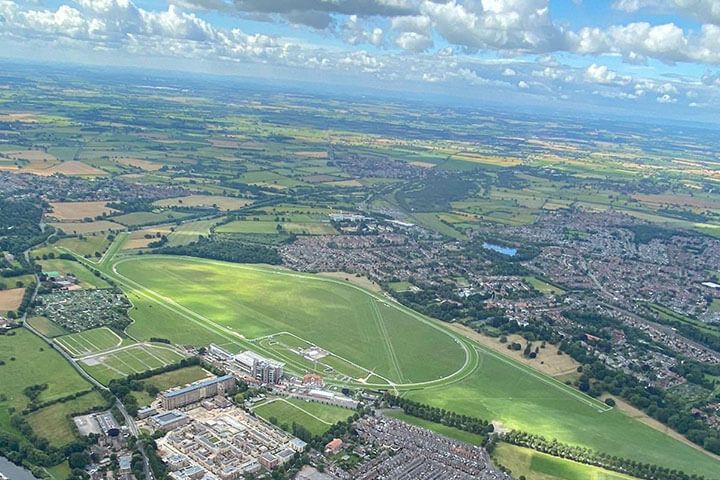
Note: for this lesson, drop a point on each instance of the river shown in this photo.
(13, 472)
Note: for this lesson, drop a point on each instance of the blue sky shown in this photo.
(652, 57)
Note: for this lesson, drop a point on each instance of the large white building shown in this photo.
(263, 369)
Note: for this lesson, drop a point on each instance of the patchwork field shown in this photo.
(129, 359)
(79, 210)
(11, 299)
(74, 228)
(221, 202)
(256, 302)
(90, 341)
(316, 417)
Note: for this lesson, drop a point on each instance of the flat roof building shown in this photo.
(197, 392)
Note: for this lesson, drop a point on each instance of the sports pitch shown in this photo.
(274, 311)
(124, 361)
(89, 341)
(316, 417)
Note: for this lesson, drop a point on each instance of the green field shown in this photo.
(269, 227)
(542, 286)
(256, 301)
(54, 422)
(539, 466)
(86, 245)
(135, 219)
(130, 359)
(26, 358)
(46, 327)
(316, 417)
(188, 232)
(89, 341)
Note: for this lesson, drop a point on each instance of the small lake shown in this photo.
(13, 472)
(509, 251)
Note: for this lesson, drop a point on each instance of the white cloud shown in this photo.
(666, 99)
(416, 42)
(703, 10)
(523, 84)
(600, 74)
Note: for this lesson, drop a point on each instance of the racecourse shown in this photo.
(196, 301)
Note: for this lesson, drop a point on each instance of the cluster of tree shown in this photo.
(442, 416)
(584, 455)
(434, 193)
(20, 225)
(454, 308)
(646, 233)
(596, 378)
(225, 249)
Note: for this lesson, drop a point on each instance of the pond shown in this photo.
(509, 251)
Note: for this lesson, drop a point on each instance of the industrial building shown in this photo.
(167, 421)
(197, 392)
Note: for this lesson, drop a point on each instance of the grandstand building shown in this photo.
(262, 369)
(197, 391)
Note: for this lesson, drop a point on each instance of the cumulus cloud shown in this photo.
(703, 10)
(355, 33)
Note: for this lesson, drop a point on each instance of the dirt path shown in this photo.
(363, 282)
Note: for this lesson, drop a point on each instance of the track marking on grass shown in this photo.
(379, 322)
(586, 399)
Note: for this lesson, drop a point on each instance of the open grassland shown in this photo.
(26, 359)
(519, 398)
(135, 219)
(46, 327)
(55, 424)
(256, 302)
(188, 232)
(218, 201)
(90, 341)
(86, 277)
(316, 417)
(11, 299)
(139, 163)
(542, 286)
(126, 360)
(79, 210)
(73, 228)
(272, 227)
(86, 246)
(539, 466)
